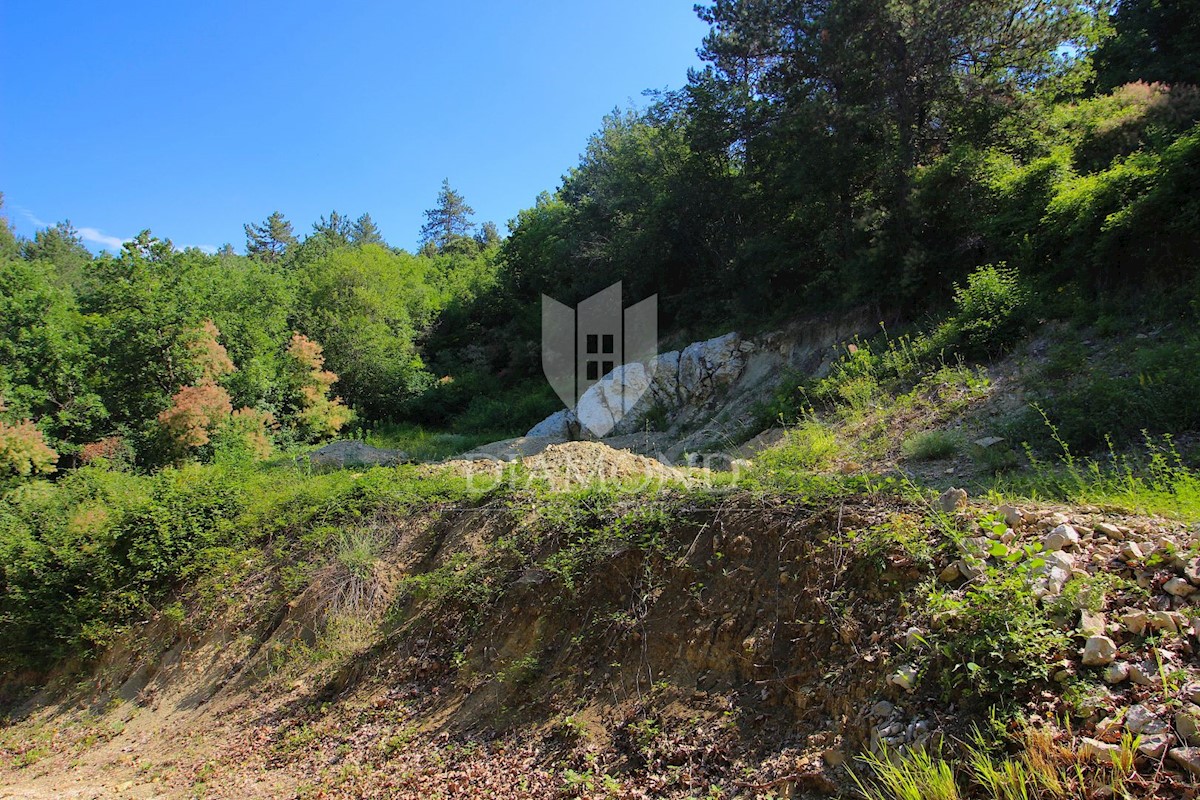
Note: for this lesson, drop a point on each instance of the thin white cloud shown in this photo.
(27, 214)
(94, 236)
(203, 248)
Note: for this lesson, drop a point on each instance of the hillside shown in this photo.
(831, 429)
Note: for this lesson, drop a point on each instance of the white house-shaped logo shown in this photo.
(584, 349)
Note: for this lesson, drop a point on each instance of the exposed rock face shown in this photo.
(674, 382)
(555, 426)
(337, 455)
(698, 400)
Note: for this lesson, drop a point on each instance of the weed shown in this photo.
(993, 637)
(911, 775)
(932, 445)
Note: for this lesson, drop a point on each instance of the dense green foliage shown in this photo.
(100, 350)
(1000, 161)
(968, 168)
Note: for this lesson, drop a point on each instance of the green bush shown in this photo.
(989, 312)
(993, 638)
(932, 445)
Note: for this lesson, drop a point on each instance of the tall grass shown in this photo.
(1153, 481)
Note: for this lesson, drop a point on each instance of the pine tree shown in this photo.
(447, 222)
(335, 228)
(365, 231)
(270, 240)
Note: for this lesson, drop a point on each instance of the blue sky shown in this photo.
(192, 119)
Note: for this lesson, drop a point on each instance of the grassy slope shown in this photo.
(372, 631)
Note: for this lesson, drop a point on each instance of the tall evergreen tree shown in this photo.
(365, 231)
(335, 228)
(447, 222)
(270, 240)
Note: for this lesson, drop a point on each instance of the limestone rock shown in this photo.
(1187, 724)
(1099, 651)
(1096, 750)
(1013, 516)
(1140, 719)
(1135, 622)
(905, 678)
(1109, 530)
(1145, 673)
(1178, 587)
(557, 425)
(1154, 745)
(1061, 538)
(350, 454)
(952, 500)
(1131, 551)
(1116, 672)
(1091, 623)
(1186, 757)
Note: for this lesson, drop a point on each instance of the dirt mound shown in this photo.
(576, 464)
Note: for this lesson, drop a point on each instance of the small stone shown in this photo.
(882, 709)
(1058, 558)
(1178, 587)
(988, 441)
(1145, 673)
(1187, 724)
(1054, 520)
(1135, 622)
(1061, 537)
(1110, 530)
(1096, 750)
(905, 678)
(1116, 672)
(1099, 651)
(914, 637)
(1013, 516)
(1190, 692)
(1091, 623)
(1154, 745)
(1191, 571)
(969, 568)
(1186, 757)
(1130, 551)
(950, 573)
(952, 500)
(1139, 719)
(1108, 730)
(1163, 621)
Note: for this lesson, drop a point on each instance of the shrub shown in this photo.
(316, 414)
(994, 638)
(808, 446)
(194, 413)
(112, 450)
(988, 312)
(23, 451)
(931, 445)
(244, 437)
